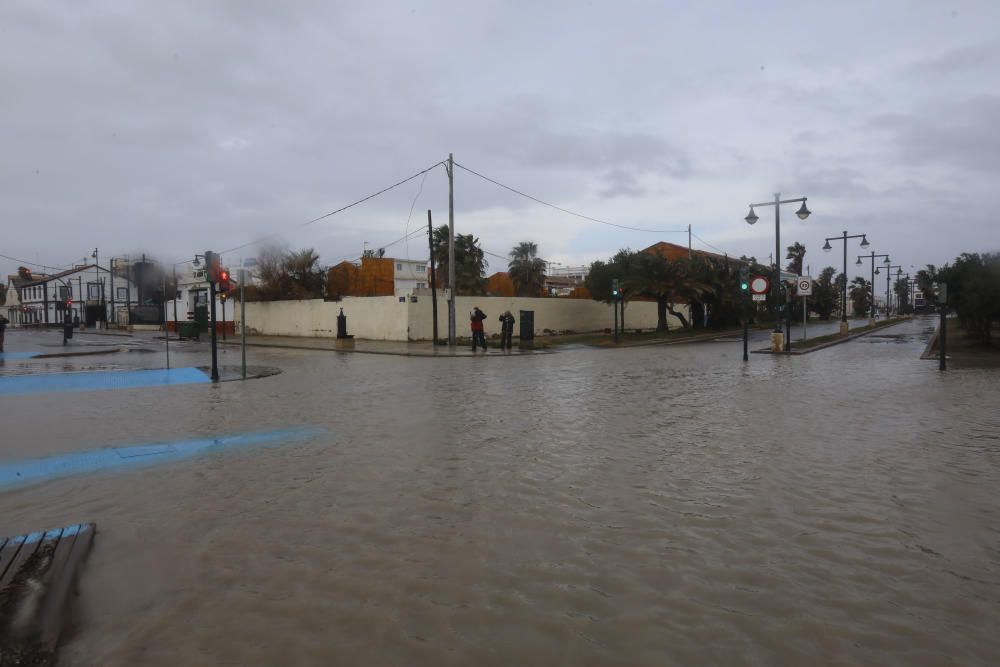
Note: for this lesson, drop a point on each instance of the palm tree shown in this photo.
(470, 262)
(526, 269)
(796, 253)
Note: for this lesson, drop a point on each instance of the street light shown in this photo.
(888, 280)
(872, 257)
(828, 248)
(751, 218)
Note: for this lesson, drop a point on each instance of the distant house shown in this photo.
(91, 293)
(377, 276)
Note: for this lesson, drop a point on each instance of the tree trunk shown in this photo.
(680, 316)
(661, 314)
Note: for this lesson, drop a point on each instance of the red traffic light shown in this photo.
(224, 275)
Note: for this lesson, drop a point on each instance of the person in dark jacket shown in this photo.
(476, 318)
(506, 330)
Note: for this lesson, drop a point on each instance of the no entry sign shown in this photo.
(759, 285)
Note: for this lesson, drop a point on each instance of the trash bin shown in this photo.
(189, 330)
(527, 331)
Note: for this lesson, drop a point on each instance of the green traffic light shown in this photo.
(743, 286)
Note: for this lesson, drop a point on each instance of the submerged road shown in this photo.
(662, 505)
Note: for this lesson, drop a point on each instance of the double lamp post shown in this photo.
(827, 248)
(777, 337)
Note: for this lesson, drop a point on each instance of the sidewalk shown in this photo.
(395, 348)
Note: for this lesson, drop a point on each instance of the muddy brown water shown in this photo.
(648, 506)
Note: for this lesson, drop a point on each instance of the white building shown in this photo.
(192, 292)
(409, 275)
(92, 295)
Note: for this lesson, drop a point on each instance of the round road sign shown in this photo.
(759, 285)
(805, 286)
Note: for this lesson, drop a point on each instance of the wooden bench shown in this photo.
(37, 573)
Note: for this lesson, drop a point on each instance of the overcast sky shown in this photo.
(175, 127)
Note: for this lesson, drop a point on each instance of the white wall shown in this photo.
(373, 318)
(385, 318)
(579, 315)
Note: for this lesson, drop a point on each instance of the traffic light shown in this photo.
(224, 284)
(616, 291)
(744, 279)
(212, 266)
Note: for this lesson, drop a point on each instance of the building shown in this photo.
(193, 292)
(409, 275)
(378, 276)
(91, 294)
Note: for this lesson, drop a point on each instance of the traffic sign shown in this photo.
(759, 297)
(804, 286)
(759, 285)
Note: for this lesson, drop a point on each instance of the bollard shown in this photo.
(343, 341)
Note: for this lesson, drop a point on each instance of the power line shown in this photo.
(709, 244)
(41, 266)
(331, 213)
(567, 211)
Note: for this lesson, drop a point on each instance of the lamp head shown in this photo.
(751, 217)
(858, 262)
(864, 241)
(803, 212)
(827, 247)
(887, 261)
(877, 272)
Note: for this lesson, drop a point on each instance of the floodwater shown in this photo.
(649, 506)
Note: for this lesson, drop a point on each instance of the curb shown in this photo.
(831, 343)
(422, 355)
(78, 354)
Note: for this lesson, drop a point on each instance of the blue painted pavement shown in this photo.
(9, 356)
(38, 470)
(98, 380)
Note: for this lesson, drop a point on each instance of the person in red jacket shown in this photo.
(476, 318)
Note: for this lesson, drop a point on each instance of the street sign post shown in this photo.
(804, 286)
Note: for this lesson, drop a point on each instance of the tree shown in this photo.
(838, 291)
(526, 269)
(861, 295)
(824, 299)
(288, 276)
(470, 262)
(974, 291)
(797, 254)
(902, 289)
(925, 283)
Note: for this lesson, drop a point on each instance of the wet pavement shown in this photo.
(662, 505)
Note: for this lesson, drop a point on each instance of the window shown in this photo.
(399, 267)
(421, 268)
(421, 285)
(402, 299)
(93, 291)
(64, 293)
(122, 293)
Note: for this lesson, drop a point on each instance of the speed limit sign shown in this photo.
(804, 286)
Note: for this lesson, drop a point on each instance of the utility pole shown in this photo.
(451, 250)
(177, 326)
(434, 294)
(243, 324)
(166, 334)
(111, 276)
(212, 269)
(689, 241)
